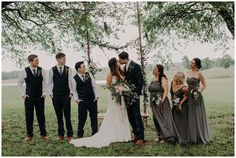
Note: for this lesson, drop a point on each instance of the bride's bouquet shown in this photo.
(123, 89)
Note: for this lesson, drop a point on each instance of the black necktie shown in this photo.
(83, 76)
(34, 72)
(125, 69)
(60, 70)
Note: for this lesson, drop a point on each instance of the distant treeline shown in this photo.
(226, 61)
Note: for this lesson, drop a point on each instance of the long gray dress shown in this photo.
(197, 119)
(162, 115)
(180, 116)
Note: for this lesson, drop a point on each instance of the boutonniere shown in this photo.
(66, 70)
(38, 72)
(86, 75)
(131, 66)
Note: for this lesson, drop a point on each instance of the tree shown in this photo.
(201, 20)
(186, 62)
(226, 61)
(206, 63)
(53, 25)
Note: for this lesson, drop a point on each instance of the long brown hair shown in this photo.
(112, 63)
(161, 71)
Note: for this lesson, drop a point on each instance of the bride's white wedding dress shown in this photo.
(114, 128)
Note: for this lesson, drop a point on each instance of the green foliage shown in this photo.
(219, 101)
(50, 26)
(226, 61)
(186, 62)
(206, 63)
(189, 20)
(10, 75)
(167, 26)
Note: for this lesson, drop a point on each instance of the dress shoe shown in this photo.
(69, 139)
(60, 138)
(157, 139)
(45, 138)
(134, 139)
(140, 142)
(27, 139)
(162, 142)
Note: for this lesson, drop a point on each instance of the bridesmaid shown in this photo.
(160, 105)
(197, 118)
(179, 94)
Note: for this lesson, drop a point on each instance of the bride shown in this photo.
(115, 125)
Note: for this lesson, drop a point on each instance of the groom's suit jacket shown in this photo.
(134, 76)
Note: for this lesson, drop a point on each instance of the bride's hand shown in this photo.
(78, 101)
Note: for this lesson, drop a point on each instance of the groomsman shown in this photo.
(84, 93)
(34, 96)
(60, 77)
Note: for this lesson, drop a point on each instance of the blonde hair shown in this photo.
(179, 77)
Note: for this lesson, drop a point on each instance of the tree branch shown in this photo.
(224, 13)
(106, 45)
(20, 15)
(4, 4)
(17, 26)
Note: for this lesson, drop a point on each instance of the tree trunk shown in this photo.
(225, 14)
(142, 58)
(87, 33)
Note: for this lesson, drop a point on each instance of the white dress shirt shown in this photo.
(74, 85)
(50, 79)
(22, 77)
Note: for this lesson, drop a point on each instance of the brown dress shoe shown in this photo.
(45, 138)
(162, 142)
(27, 139)
(140, 142)
(60, 138)
(69, 139)
(134, 139)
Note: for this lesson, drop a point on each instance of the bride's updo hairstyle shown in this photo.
(115, 68)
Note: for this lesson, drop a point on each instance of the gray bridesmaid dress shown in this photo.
(180, 116)
(197, 119)
(162, 115)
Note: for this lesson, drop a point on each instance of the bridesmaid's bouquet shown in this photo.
(123, 89)
(157, 100)
(176, 101)
(176, 104)
(195, 93)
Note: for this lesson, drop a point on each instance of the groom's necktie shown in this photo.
(125, 69)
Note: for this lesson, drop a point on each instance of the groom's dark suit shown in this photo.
(134, 76)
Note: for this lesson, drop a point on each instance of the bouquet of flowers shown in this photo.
(123, 89)
(195, 92)
(157, 100)
(176, 104)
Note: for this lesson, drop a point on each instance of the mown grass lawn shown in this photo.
(219, 101)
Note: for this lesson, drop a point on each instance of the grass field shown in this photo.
(219, 101)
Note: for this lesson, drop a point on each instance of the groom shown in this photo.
(133, 75)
